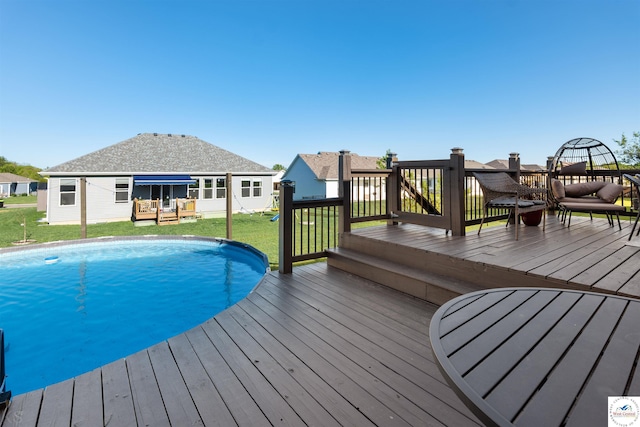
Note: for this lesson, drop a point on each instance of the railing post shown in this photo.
(285, 252)
(344, 191)
(456, 193)
(391, 157)
(229, 187)
(514, 164)
(83, 207)
(392, 195)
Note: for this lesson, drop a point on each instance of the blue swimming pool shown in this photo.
(69, 308)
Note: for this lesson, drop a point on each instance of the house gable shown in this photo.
(324, 165)
(316, 175)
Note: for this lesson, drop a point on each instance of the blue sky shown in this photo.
(273, 78)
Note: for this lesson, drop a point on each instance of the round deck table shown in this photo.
(542, 357)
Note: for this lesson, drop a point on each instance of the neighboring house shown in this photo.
(504, 164)
(11, 183)
(153, 166)
(472, 164)
(276, 188)
(276, 180)
(316, 175)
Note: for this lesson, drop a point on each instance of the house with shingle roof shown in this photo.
(316, 175)
(10, 183)
(152, 166)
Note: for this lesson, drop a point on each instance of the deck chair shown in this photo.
(635, 183)
(500, 191)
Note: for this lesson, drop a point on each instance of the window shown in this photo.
(251, 188)
(208, 188)
(122, 190)
(221, 188)
(67, 192)
(257, 188)
(194, 190)
(246, 188)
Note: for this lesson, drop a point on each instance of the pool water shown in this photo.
(66, 310)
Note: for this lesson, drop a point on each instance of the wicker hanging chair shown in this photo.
(585, 159)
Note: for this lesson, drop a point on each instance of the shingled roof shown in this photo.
(325, 164)
(12, 177)
(504, 164)
(159, 153)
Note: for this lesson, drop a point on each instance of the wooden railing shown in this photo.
(145, 209)
(428, 192)
(186, 208)
(423, 192)
(434, 193)
(152, 209)
(369, 194)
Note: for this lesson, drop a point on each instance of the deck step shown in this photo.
(168, 221)
(422, 284)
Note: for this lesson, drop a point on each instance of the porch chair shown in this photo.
(589, 197)
(635, 183)
(500, 191)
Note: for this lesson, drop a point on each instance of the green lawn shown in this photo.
(256, 230)
(16, 200)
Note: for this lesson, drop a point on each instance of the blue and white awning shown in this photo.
(163, 180)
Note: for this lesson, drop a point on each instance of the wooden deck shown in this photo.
(318, 347)
(589, 255)
(324, 347)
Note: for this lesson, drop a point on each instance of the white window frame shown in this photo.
(120, 190)
(207, 191)
(221, 188)
(194, 190)
(257, 188)
(68, 182)
(245, 190)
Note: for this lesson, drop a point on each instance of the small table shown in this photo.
(539, 357)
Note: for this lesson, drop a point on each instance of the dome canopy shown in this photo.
(584, 156)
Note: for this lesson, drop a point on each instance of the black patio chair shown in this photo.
(635, 184)
(500, 191)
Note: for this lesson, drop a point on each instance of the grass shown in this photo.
(16, 200)
(256, 230)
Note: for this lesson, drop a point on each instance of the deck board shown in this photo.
(270, 400)
(116, 394)
(147, 399)
(175, 395)
(24, 410)
(55, 410)
(235, 397)
(87, 400)
(207, 399)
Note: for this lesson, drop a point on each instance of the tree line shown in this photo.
(27, 171)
